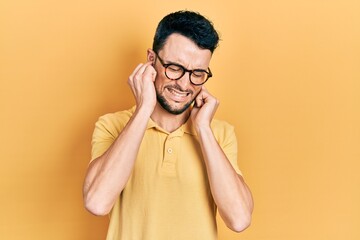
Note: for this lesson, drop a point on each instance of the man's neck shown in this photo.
(167, 121)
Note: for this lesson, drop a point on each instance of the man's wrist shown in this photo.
(144, 111)
(203, 129)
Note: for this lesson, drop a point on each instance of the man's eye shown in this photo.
(198, 74)
(174, 68)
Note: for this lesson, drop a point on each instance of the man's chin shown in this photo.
(173, 110)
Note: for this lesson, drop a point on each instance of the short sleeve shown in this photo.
(226, 138)
(107, 129)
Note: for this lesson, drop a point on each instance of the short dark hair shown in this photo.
(189, 24)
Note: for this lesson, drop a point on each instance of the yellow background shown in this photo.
(286, 73)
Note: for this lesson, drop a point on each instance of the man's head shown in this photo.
(183, 41)
(189, 24)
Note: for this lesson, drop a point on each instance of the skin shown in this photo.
(107, 175)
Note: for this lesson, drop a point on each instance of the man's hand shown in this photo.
(141, 82)
(108, 174)
(204, 109)
(229, 190)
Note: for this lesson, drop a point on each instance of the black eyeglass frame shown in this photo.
(166, 65)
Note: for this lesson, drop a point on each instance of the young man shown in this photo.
(164, 167)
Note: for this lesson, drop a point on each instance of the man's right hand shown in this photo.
(141, 82)
(108, 174)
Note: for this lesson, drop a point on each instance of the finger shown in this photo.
(142, 69)
(150, 72)
(207, 96)
(194, 110)
(132, 76)
(138, 78)
(199, 100)
(136, 70)
(132, 80)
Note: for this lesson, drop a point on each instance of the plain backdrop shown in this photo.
(287, 74)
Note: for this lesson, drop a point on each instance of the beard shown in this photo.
(166, 105)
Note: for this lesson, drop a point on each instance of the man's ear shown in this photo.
(151, 56)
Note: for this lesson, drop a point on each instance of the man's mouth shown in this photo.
(177, 95)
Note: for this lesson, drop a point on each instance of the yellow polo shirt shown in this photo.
(167, 196)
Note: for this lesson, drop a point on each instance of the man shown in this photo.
(164, 167)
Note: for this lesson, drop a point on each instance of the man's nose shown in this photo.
(184, 81)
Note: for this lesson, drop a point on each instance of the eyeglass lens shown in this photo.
(175, 72)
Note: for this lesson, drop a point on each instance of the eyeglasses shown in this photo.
(175, 72)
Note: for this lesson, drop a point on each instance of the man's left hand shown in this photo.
(204, 109)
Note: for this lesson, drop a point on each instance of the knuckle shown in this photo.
(136, 78)
(130, 81)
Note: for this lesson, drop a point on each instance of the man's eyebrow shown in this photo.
(171, 62)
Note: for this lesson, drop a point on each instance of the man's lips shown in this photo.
(177, 95)
(177, 92)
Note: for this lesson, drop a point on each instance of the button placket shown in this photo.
(170, 155)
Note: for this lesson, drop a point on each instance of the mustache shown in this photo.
(177, 87)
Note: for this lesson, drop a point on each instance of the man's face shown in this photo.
(175, 96)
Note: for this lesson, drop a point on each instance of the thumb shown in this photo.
(199, 100)
(194, 110)
(150, 73)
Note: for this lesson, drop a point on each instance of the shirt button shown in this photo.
(170, 150)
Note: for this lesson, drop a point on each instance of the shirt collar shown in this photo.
(187, 127)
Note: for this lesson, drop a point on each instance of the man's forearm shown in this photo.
(231, 194)
(108, 174)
